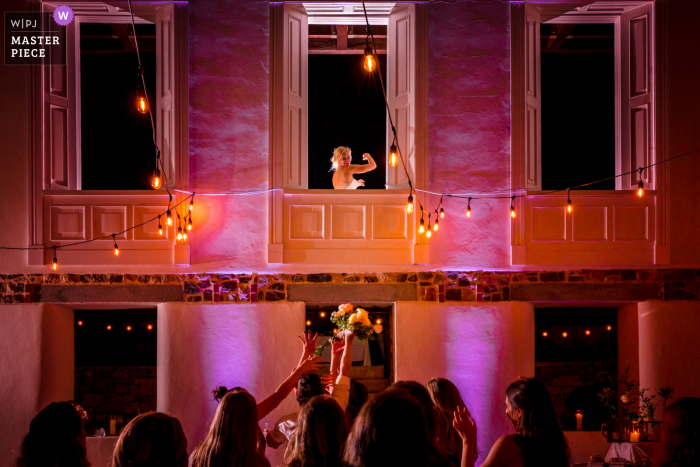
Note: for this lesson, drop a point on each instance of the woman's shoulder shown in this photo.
(509, 441)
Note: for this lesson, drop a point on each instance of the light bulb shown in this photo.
(156, 179)
(409, 205)
(184, 236)
(323, 314)
(428, 233)
(141, 105)
(442, 214)
(149, 327)
(109, 327)
(128, 328)
(469, 212)
(569, 207)
(512, 212)
(191, 205)
(545, 334)
(54, 263)
(393, 157)
(436, 226)
(588, 333)
(640, 189)
(189, 222)
(379, 321)
(564, 334)
(80, 323)
(609, 328)
(308, 323)
(421, 227)
(179, 233)
(168, 217)
(116, 250)
(370, 63)
(160, 229)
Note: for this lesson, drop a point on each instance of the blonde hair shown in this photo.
(337, 155)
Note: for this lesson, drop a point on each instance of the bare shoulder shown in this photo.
(504, 453)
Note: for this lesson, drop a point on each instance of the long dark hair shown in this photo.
(540, 437)
(233, 435)
(681, 438)
(151, 439)
(422, 396)
(357, 399)
(447, 398)
(320, 435)
(391, 430)
(53, 438)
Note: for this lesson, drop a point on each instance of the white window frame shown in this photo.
(171, 107)
(289, 108)
(525, 109)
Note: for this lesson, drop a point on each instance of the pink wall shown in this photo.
(482, 348)
(36, 367)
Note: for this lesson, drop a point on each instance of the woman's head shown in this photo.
(445, 394)
(56, 438)
(151, 439)
(233, 434)
(342, 157)
(447, 398)
(357, 399)
(320, 435)
(391, 430)
(422, 396)
(681, 435)
(531, 412)
(220, 391)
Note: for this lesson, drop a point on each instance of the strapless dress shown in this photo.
(353, 185)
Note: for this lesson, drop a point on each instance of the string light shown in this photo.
(429, 231)
(421, 225)
(370, 63)
(189, 222)
(323, 314)
(128, 328)
(109, 327)
(609, 328)
(512, 208)
(80, 323)
(545, 334)
(149, 327)
(54, 264)
(569, 207)
(160, 227)
(640, 186)
(308, 323)
(393, 156)
(588, 333)
(179, 233)
(379, 321)
(442, 213)
(436, 225)
(564, 334)
(192, 202)
(184, 235)
(156, 179)
(469, 208)
(116, 248)
(409, 204)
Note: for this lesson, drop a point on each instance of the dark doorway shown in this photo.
(346, 108)
(116, 139)
(578, 105)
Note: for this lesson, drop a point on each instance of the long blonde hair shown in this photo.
(337, 155)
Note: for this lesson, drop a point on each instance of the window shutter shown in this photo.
(401, 91)
(295, 106)
(533, 100)
(61, 170)
(164, 112)
(637, 147)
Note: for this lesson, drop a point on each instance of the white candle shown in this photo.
(634, 437)
(579, 420)
(112, 426)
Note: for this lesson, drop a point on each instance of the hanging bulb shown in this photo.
(179, 233)
(189, 222)
(393, 156)
(370, 63)
(168, 217)
(428, 233)
(569, 207)
(142, 105)
(512, 208)
(409, 205)
(469, 208)
(442, 213)
(436, 226)
(54, 264)
(160, 227)
(191, 204)
(421, 226)
(156, 179)
(184, 235)
(640, 189)
(116, 248)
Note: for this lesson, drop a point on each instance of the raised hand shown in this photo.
(337, 346)
(361, 183)
(464, 424)
(365, 156)
(308, 342)
(310, 364)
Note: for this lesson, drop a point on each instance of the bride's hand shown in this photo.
(360, 183)
(365, 156)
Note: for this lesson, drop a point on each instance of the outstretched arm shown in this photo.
(308, 346)
(466, 428)
(359, 169)
(341, 389)
(271, 403)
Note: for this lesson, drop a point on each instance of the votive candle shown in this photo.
(579, 420)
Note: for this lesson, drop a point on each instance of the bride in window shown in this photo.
(344, 169)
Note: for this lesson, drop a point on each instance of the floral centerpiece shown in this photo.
(351, 320)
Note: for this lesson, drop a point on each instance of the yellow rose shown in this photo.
(353, 318)
(363, 317)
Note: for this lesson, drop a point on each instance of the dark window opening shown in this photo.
(117, 151)
(576, 357)
(115, 366)
(346, 107)
(372, 359)
(578, 105)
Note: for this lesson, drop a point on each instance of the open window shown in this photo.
(65, 206)
(406, 84)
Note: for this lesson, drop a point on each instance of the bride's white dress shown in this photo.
(353, 185)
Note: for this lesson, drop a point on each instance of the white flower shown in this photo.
(344, 309)
(363, 317)
(624, 398)
(378, 328)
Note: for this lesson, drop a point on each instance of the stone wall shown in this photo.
(436, 286)
(114, 390)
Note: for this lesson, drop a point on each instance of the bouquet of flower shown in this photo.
(351, 320)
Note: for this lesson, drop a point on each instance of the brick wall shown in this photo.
(114, 390)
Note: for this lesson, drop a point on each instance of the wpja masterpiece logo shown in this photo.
(37, 38)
